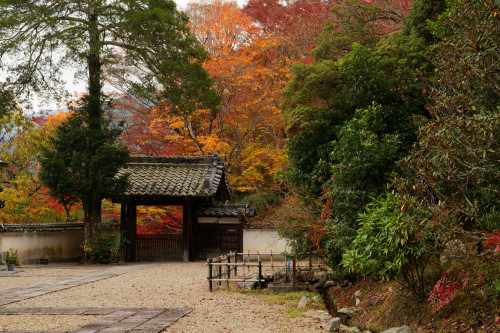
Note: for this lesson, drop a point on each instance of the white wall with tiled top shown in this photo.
(263, 241)
(58, 245)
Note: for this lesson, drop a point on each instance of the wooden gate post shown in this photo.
(131, 231)
(260, 274)
(228, 270)
(236, 262)
(123, 230)
(209, 263)
(186, 228)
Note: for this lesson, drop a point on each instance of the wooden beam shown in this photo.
(123, 230)
(194, 233)
(185, 228)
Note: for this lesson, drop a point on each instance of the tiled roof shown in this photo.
(227, 210)
(258, 224)
(179, 176)
(41, 227)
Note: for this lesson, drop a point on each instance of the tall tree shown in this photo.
(147, 41)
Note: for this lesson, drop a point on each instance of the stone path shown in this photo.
(33, 290)
(117, 320)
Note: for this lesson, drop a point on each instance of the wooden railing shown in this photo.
(237, 267)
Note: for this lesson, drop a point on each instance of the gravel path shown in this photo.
(164, 285)
(23, 276)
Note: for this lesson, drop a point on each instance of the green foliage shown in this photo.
(159, 52)
(11, 256)
(323, 95)
(418, 21)
(349, 122)
(455, 166)
(82, 160)
(7, 102)
(467, 59)
(262, 200)
(385, 240)
(103, 248)
(369, 146)
(386, 244)
(453, 169)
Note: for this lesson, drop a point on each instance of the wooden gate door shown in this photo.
(217, 239)
(208, 235)
(159, 247)
(231, 238)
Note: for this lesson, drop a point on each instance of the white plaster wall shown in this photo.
(264, 241)
(59, 245)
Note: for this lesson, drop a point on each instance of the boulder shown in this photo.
(346, 314)
(249, 285)
(453, 249)
(357, 295)
(353, 329)
(402, 329)
(333, 325)
(303, 302)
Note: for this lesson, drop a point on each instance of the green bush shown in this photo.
(103, 248)
(11, 257)
(387, 245)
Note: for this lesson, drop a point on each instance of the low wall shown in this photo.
(59, 245)
(263, 241)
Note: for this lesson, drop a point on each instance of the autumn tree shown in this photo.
(27, 199)
(38, 37)
(249, 74)
(295, 24)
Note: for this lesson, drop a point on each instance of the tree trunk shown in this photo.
(94, 67)
(91, 217)
(92, 205)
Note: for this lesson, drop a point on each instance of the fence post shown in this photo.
(244, 276)
(310, 261)
(272, 267)
(228, 270)
(209, 263)
(220, 272)
(294, 271)
(235, 261)
(260, 275)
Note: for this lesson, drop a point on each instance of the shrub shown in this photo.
(446, 289)
(387, 244)
(102, 248)
(11, 256)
